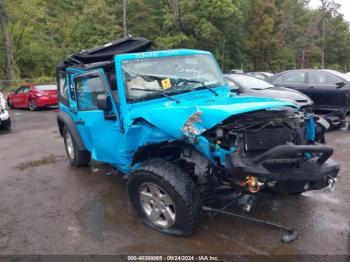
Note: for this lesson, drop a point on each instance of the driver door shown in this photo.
(324, 91)
(99, 129)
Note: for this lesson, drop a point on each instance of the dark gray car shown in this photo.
(252, 86)
(329, 89)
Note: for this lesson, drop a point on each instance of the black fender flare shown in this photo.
(67, 121)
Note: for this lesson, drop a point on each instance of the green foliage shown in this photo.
(271, 35)
(95, 25)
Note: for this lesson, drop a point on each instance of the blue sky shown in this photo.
(345, 7)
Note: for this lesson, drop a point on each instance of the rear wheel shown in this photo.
(32, 104)
(6, 125)
(75, 156)
(165, 197)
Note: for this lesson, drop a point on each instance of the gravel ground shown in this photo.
(49, 207)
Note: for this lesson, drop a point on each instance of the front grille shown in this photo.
(266, 138)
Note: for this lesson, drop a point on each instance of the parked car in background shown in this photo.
(236, 71)
(249, 85)
(329, 89)
(33, 96)
(260, 75)
(5, 120)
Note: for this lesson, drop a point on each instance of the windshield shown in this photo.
(250, 82)
(46, 87)
(344, 76)
(164, 76)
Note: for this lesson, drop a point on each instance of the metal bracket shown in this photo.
(290, 233)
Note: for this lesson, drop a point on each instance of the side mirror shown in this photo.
(340, 84)
(103, 102)
(235, 88)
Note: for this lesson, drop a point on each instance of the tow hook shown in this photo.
(331, 184)
(252, 184)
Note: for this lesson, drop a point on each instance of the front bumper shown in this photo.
(291, 174)
(4, 115)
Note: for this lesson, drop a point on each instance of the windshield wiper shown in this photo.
(202, 85)
(158, 92)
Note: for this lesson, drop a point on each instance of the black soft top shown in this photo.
(103, 55)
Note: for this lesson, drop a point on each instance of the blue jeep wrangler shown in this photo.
(168, 120)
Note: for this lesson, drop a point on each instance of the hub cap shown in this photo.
(157, 205)
(70, 146)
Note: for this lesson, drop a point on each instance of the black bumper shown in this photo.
(286, 169)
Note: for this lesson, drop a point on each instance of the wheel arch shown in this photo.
(181, 153)
(169, 149)
(64, 120)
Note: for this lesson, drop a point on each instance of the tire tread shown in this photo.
(180, 182)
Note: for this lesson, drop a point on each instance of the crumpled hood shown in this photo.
(170, 117)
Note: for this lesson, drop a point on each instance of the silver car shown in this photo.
(252, 86)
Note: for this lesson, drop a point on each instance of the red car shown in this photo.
(33, 96)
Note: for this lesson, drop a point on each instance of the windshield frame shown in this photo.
(157, 95)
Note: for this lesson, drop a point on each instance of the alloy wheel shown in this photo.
(157, 205)
(70, 146)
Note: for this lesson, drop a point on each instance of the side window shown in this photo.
(63, 85)
(19, 90)
(22, 90)
(322, 78)
(26, 89)
(87, 91)
(291, 78)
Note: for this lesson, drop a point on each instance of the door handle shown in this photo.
(80, 122)
(111, 117)
(311, 87)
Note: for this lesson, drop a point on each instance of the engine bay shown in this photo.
(260, 131)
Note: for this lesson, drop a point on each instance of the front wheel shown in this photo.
(32, 105)
(6, 125)
(75, 156)
(165, 197)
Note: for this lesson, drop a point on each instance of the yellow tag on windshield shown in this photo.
(166, 83)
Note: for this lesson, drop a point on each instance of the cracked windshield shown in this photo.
(166, 76)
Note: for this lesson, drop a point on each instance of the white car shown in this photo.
(5, 120)
(348, 73)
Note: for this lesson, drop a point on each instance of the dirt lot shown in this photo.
(49, 207)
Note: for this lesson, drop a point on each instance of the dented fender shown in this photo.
(171, 117)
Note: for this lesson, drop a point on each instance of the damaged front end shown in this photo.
(270, 150)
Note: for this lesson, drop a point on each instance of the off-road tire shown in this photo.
(179, 187)
(81, 157)
(6, 125)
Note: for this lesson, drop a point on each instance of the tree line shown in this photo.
(268, 35)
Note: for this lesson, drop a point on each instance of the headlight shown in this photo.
(190, 129)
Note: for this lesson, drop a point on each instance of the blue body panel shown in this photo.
(160, 120)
